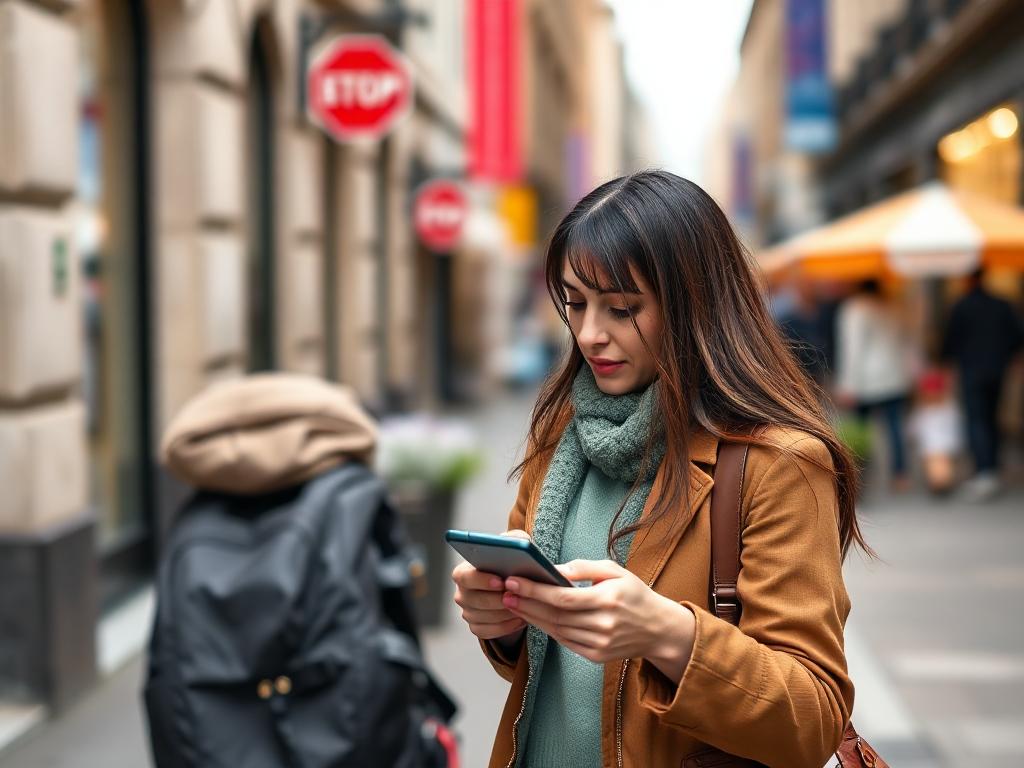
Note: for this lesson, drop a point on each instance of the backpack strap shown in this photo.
(396, 602)
(394, 577)
(726, 527)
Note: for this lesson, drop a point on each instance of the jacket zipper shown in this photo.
(522, 708)
(618, 703)
(528, 525)
(618, 713)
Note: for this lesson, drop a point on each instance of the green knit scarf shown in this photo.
(610, 432)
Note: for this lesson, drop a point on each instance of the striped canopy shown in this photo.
(929, 231)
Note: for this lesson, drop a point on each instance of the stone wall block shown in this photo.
(177, 156)
(202, 37)
(42, 465)
(223, 267)
(360, 203)
(363, 296)
(40, 305)
(305, 292)
(180, 308)
(305, 167)
(220, 144)
(38, 101)
(200, 155)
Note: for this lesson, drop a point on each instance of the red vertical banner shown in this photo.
(495, 99)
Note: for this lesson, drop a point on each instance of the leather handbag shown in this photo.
(726, 541)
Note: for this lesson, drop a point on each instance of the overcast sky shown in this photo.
(681, 57)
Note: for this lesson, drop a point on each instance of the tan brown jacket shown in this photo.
(775, 689)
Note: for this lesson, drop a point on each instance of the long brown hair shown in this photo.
(722, 363)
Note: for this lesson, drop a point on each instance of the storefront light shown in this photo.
(1002, 123)
(998, 125)
(949, 148)
(980, 135)
(959, 145)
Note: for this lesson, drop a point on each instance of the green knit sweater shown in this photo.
(566, 727)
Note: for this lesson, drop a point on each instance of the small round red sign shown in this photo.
(359, 86)
(439, 214)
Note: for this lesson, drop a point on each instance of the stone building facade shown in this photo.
(170, 217)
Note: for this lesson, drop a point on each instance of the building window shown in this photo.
(109, 224)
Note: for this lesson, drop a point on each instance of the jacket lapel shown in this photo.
(654, 544)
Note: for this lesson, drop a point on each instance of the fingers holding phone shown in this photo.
(479, 596)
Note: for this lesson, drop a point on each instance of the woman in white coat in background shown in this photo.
(875, 367)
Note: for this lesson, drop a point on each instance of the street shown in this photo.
(940, 612)
(934, 638)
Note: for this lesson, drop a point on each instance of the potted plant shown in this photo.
(855, 433)
(425, 460)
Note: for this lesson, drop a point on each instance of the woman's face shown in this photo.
(601, 325)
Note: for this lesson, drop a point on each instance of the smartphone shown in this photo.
(506, 556)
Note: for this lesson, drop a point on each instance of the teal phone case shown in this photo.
(506, 556)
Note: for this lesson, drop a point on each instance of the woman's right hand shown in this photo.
(479, 595)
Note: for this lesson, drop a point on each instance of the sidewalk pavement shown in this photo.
(934, 641)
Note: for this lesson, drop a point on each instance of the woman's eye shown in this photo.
(622, 314)
(577, 305)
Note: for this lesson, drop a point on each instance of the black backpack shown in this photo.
(284, 635)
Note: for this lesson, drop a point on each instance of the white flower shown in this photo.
(427, 452)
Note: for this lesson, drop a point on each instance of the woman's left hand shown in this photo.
(619, 617)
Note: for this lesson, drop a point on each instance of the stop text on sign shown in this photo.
(359, 87)
(359, 90)
(441, 214)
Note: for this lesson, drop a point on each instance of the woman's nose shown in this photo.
(592, 331)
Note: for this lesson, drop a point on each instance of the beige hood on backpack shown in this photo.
(266, 432)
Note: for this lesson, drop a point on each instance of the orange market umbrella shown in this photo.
(929, 231)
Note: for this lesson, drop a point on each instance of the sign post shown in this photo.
(439, 214)
(359, 87)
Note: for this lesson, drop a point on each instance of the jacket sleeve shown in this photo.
(504, 663)
(1015, 324)
(775, 689)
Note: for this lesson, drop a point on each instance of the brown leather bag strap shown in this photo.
(726, 529)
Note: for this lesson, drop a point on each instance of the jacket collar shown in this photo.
(703, 450)
(703, 447)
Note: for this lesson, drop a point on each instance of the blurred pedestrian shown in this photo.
(806, 325)
(874, 361)
(284, 633)
(674, 353)
(935, 428)
(981, 339)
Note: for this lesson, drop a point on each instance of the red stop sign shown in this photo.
(439, 214)
(359, 87)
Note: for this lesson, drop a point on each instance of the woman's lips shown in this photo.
(605, 367)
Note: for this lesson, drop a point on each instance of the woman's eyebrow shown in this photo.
(602, 291)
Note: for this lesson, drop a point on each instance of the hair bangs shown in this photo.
(600, 249)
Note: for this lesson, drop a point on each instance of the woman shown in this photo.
(674, 351)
